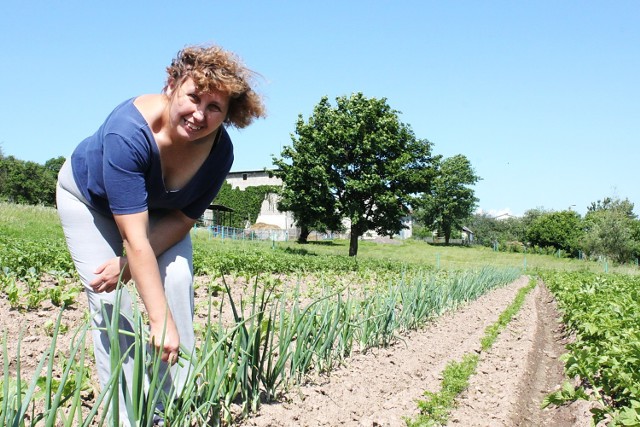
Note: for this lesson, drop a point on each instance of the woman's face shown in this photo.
(194, 115)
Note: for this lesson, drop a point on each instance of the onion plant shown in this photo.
(275, 340)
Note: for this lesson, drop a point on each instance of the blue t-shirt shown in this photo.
(118, 169)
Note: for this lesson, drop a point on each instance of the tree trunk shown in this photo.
(304, 234)
(447, 235)
(353, 242)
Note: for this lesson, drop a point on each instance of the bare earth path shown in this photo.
(381, 388)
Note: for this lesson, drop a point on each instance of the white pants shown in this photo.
(94, 238)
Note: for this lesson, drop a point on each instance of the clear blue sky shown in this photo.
(542, 96)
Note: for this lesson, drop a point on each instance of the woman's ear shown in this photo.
(171, 86)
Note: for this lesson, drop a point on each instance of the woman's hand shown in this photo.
(108, 275)
(169, 348)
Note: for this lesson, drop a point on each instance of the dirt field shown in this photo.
(381, 387)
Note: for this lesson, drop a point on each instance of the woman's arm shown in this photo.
(169, 230)
(143, 265)
(165, 233)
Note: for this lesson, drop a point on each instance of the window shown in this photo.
(244, 176)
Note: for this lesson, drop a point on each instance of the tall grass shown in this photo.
(29, 222)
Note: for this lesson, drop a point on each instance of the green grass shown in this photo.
(36, 222)
(418, 253)
(29, 222)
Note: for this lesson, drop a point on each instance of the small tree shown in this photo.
(611, 230)
(3, 173)
(451, 199)
(560, 230)
(488, 229)
(355, 161)
(307, 194)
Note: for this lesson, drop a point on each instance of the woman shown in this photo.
(139, 184)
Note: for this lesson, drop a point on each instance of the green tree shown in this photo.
(53, 165)
(308, 194)
(612, 203)
(355, 161)
(2, 174)
(560, 230)
(531, 215)
(612, 230)
(503, 229)
(26, 182)
(451, 199)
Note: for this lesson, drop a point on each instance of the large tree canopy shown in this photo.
(355, 161)
(451, 199)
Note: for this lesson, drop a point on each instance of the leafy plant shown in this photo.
(604, 314)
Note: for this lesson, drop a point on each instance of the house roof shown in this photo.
(220, 208)
(252, 171)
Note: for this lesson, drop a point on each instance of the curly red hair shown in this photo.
(214, 69)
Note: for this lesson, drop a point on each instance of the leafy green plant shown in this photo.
(64, 296)
(604, 314)
(567, 393)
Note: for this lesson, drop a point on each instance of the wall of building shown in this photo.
(269, 214)
(242, 180)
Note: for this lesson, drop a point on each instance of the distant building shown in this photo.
(269, 213)
(246, 179)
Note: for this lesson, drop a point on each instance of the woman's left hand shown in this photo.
(108, 275)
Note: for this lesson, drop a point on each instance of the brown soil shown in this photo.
(381, 387)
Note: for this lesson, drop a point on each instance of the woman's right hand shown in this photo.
(109, 275)
(170, 347)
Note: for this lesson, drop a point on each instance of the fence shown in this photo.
(224, 232)
(273, 234)
(441, 240)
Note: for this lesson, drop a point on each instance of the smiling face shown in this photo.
(195, 115)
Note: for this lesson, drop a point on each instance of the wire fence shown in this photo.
(273, 234)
